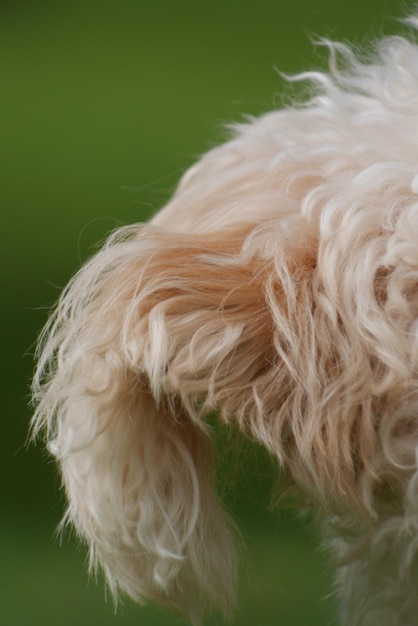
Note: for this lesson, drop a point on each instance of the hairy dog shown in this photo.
(279, 287)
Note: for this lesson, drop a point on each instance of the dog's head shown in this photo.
(279, 288)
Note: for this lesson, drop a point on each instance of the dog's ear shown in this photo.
(154, 332)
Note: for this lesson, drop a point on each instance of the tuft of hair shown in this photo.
(279, 288)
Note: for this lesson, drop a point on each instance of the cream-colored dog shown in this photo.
(279, 288)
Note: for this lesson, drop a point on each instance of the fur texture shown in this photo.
(279, 287)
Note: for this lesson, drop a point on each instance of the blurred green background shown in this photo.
(103, 106)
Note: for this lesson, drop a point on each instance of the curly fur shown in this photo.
(279, 288)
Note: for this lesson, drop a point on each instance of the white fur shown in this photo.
(280, 288)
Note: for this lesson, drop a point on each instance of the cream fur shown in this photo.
(278, 287)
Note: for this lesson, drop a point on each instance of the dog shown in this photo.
(279, 288)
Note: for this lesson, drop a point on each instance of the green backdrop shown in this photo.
(103, 106)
